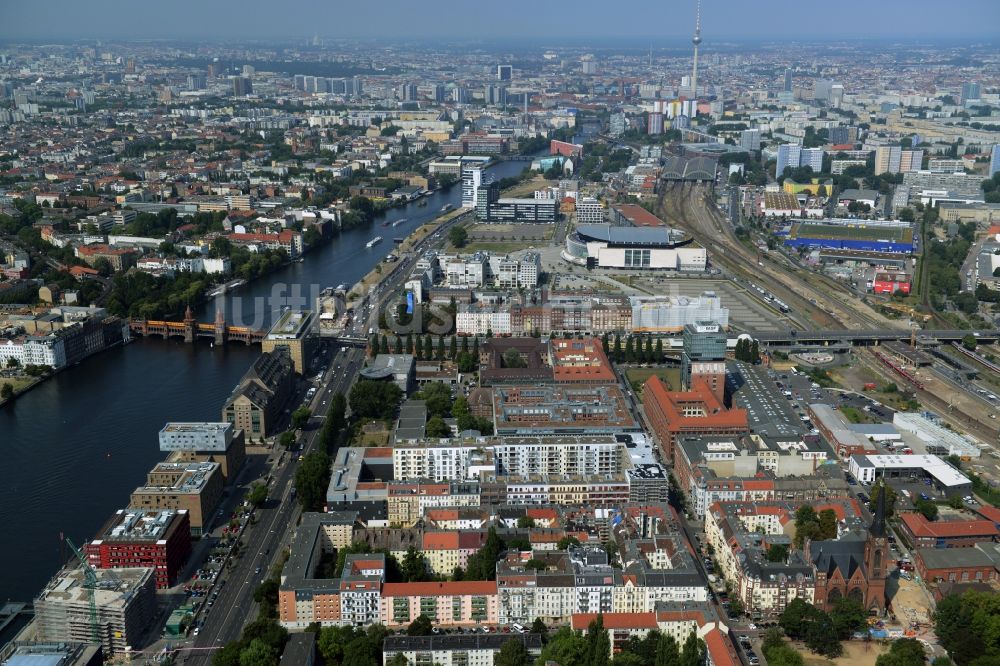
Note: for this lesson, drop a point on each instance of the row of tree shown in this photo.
(635, 349)
(822, 631)
(422, 347)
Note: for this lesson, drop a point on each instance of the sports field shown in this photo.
(854, 232)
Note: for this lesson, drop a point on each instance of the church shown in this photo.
(853, 567)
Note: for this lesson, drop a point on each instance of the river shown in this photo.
(76, 446)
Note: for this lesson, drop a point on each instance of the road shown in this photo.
(234, 607)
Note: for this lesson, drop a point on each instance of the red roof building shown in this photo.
(923, 533)
(695, 412)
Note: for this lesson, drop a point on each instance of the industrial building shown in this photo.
(869, 236)
(631, 247)
(943, 477)
(218, 442)
(119, 610)
(196, 487)
(160, 540)
(937, 439)
(296, 330)
(256, 404)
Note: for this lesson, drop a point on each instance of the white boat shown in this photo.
(373, 242)
(445, 208)
(399, 222)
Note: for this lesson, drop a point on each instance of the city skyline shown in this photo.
(722, 19)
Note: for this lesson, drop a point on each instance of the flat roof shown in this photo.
(933, 465)
(291, 325)
(660, 236)
(637, 215)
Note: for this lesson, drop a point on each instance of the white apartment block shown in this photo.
(589, 211)
(478, 321)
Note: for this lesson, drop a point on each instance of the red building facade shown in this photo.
(160, 540)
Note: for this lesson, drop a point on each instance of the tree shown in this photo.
(658, 354)
(827, 525)
(525, 522)
(420, 627)
(847, 615)
(428, 348)
(13, 362)
(6, 391)
(440, 350)
(466, 362)
(374, 399)
(258, 494)
(969, 342)
(512, 653)
(311, 479)
(598, 643)
(287, 439)
(693, 653)
(373, 346)
(414, 566)
(539, 627)
(383, 347)
(512, 359)
(258, 653)
(399, 345)
(736, 606)
(436, 428)
(300, 417)
(565, 647)
(458, 236)
(776, 553)
(668, 653)
(904, 652)
(399, 659)
(566, 542)
(453, 348)
(437, 399)
(928, 508)
(409, 343)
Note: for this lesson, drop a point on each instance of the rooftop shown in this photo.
(291, 325)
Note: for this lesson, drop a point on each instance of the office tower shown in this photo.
(789, 155)
(840, 135)
(356, 88)
(910, 160)
(887, 159)
(836, 95)
(130, 66)
(408, 92)
(472, 179)
(655, 124)
(196, 82)
(489, 94)
(501, 96)
(788, 79)
(504, 72)
(696, 40)
(212, 70)
(460, 95)
(822, 89)
(750, 139)
(995, 160)
(970, 91)
(242, 86)
(703, 356)
(589, 65)
(248, 70)
(811, 157)
(438, 93)
(617, 124)
(299, 82)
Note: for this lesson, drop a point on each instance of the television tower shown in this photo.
(696, 40)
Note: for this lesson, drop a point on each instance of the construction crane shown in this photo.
(91, 583)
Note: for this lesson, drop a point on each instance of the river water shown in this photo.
(73, 449)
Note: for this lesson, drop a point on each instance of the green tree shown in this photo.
(437, 398)
(399, 659)
(565, 647)
(414, 566)
(453, 348)
(300, 417)
(6, 391)
(466, 362)
(258, 653)
(420, 627)
(373, 346)
(970, 342)
(512, 653)
(374, 399)
(668, 653)
(258, 494)
(928, 508)
(539, 627)
(890, 498)
(512, 359)
(428, 348)
(458, 236)
(399, 345)
(311, 479)
(598, 643)
(693, 653)
(848, 616)
(904, 652)
(658, 354)
(436, 428)
(287, 439)
(776, 553)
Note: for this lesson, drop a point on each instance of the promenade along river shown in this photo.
(74, 448)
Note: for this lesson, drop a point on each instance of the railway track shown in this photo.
(688, 206)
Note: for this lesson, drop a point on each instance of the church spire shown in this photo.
(877, 528)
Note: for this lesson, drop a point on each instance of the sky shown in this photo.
(457, 20)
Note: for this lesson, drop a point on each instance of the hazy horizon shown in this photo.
(232, 20)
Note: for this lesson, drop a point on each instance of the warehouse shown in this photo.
(943, 477)
(867, 236)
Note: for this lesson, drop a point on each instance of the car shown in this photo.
(196, 631)
(257, 570)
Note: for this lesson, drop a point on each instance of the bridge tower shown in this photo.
(189, 325)
(220, 327)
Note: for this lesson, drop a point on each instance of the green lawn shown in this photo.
(670, 376)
